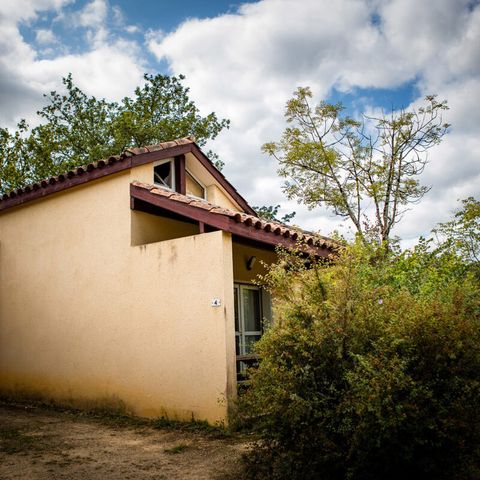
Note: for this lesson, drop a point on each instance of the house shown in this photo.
(129, 283)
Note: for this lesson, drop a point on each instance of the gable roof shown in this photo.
(132, 157)
(238, 223)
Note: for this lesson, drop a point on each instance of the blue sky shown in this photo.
(171, 13)
(164, 14)
(243, 60)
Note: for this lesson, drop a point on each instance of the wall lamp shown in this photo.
(251, 262)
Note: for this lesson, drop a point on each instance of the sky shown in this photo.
(244, 60)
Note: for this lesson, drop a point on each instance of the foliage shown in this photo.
(462, 234)
(77, 129)
(371, 369)
(181, 447)
(347, 165)
(271, 213)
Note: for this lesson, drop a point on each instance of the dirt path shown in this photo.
(43, 444)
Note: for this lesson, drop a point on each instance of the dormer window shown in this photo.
(193, 187)
(173, 174)
(164, 174)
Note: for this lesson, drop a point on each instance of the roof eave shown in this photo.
(115, 164)
(233, 224)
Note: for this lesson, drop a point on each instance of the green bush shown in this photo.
(370, 371)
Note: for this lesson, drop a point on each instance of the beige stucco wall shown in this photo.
(241, 255)
(216, 196)
(143, 173)
(241, 274)
(86, 317)
(146, 228)
(215, 193)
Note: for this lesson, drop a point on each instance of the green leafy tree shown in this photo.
(162, 110)
(77, 129)
(370, 371)
(14, 167)
(366, 171)
(462, 233)
(270, 212)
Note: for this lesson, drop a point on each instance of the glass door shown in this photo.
(248, 323)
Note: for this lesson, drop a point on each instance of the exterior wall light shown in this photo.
(251, 262)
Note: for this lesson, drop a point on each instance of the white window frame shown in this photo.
(199, 182)
(172, 169)
(242, 333)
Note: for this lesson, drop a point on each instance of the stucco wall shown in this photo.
(87, 318)
(241, 274)
(242, 253)
(146, 228)
(215, 194)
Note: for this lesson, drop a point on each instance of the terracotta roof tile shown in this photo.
(112, 164)
(81, 170)
(147, 186)
(275, 228)
(159, 146)
(178, 197)
(200, 204)
(222, 211)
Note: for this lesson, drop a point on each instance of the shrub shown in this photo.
(371, 370)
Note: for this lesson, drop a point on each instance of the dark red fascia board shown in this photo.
(143, 158)
(89, 173)
(63, 182)
(219, 177)
(222, 222)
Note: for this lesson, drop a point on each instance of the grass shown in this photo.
(13, 440)
(115, 419)
(190, 426)
(161, 423)
(181, 447)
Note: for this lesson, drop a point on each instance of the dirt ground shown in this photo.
(37, 444)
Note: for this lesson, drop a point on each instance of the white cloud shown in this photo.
(109, 68)
(104, 72)
(120, 21)
(132, 29)
(118, 15)
(93, 14)
(26, 10)
(153, 38)
(45, 37)
(245, 66)
(93, 17)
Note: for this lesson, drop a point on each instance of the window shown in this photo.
(164, 174)
(248, 323)
(248, 318)
(193, 187)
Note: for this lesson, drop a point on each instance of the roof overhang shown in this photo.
(240, 225)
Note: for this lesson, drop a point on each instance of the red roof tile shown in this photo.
(130, 158)
(276, 232)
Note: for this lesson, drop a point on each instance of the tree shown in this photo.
(367, 170)
(371, 369)
(77, 129)
(270, 212)
(462, 233)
